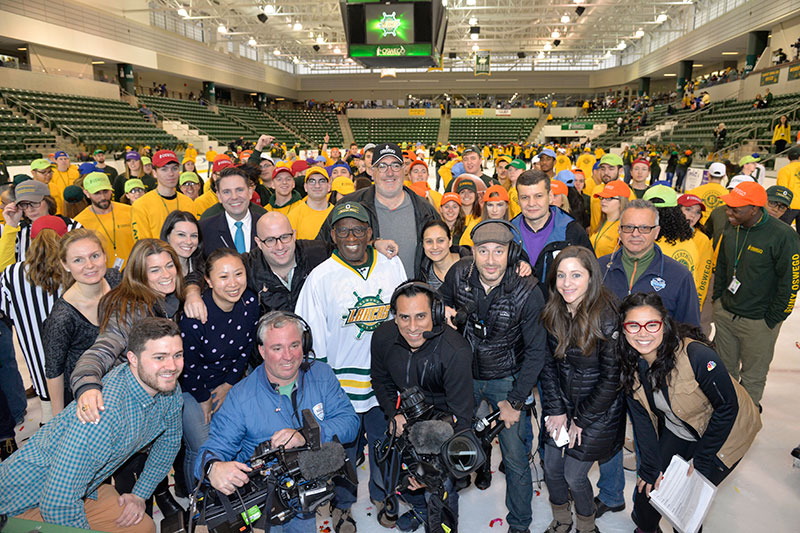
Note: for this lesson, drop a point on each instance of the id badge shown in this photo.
(118, 262)
(734, 285)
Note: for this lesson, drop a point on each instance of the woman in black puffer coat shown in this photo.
(580, 385)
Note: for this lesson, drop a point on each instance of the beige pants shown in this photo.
(102, 513)
(746, 346)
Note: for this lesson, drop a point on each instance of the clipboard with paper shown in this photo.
(683, 500)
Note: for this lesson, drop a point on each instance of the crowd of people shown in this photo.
(172, 320)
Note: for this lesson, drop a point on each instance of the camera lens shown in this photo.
(462, 454)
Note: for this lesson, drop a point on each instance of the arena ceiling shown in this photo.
(507, 28)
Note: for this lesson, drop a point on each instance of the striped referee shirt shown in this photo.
(28, 305)
(24, 236)
(66, 460)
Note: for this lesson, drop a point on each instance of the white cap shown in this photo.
(717, 170)
(736, 180)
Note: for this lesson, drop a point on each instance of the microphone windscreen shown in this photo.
(323, 462)
(428, 436)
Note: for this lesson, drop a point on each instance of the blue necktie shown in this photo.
(238, 239)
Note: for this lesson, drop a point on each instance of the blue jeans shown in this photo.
(669, 177)
(374, 423)
(519, 487)
(10, 379)
(195, 433)
(297, 525)
(612, 481)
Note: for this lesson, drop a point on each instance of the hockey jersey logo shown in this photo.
(367, 314)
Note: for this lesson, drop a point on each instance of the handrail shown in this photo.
(50, 122)
(744, 133)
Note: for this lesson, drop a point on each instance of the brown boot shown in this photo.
(562, 519)
(585, 524)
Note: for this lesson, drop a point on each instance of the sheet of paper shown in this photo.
(681, 499)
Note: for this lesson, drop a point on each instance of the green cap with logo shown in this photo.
(780, 194)
(94, 182)
(611, 159)
(349, 210)
(40, 164)
(661, 196)
(518, 164)
(189, 177)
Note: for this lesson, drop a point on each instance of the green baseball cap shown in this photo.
(19, 178)
(134, 183)
(518, 164)
(40, 164)
(349, 210)
(98, 151)
(780, 194)
(611, 159)
(188, 176)
(662, 196)
(147, 161)
(747, 159)
(73, 193)
(94, 182)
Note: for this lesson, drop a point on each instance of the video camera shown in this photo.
(283, 484)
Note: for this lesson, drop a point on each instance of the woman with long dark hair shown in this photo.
(681, 400)
(440, 254)
(182, 232)
(450, 210)
(580, 385)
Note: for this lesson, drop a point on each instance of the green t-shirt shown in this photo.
(286, 390)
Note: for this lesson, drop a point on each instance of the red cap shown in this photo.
(278, 170)
(641, 160)
(746, 193)
(299, 167)
(163, 157)
(613, 189)
(450, 197)
(495, 193)
(558, 187)
(690, 200)
(52, 222)
(221, 162)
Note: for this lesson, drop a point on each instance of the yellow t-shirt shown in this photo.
(562, 163)
(307, 221)
(586, 162)
(59, 182)
(204, 201)
(606, 240)
(594, 207)
(688, 254)
(466, 240)
(513, 203)
(707, 264)
(710, 194)
(114, 230)
(789, 177)
(149, 212)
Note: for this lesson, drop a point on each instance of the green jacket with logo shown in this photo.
(768, 270)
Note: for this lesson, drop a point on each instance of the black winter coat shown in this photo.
(587, 390)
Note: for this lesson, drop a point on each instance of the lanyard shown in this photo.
(739, 250)
(113, 227)
(603, 230)
(177, 203)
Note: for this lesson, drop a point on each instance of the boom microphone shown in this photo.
(428, 436)
(316, 464)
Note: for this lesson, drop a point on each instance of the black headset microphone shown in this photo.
(437, 305)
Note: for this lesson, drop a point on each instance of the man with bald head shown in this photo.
(276, 269)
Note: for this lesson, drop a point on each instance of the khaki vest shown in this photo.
(692, 406)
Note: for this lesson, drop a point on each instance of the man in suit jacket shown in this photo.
(235, 227)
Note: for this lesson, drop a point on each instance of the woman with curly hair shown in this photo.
(580, 385)
(681, 400)
(676, 237)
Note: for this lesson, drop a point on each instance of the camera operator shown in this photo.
(501, 311)
(267, 405)
(417, 348)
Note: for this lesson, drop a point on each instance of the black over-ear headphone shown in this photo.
(514, 248)
(437, 305)
(307, 339)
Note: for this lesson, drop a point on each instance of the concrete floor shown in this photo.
(760, 495)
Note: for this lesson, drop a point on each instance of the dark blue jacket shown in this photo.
(665, 276)
(253, 411)
(566, 232)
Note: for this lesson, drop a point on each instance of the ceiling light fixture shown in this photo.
(662, 18)
(297, 26)
(475, 47)
(565, 19)
(541, 55)
(320, 39)
(296, 61)
(473, 21)
(276, 52)
(473, 36)
(622, 45)
(670, 75)
(697, 65)
(98, 62)
(639, 34)
(730, 53)
(269, 9)
(182, 12)
(548, 47)
(556, 34)
(222, 29)
(471, 2)
(252, 42)
(337, 50)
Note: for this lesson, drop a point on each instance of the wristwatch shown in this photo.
(209, 464)
(518, 404)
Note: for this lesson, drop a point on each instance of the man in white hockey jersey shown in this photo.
(344, 300)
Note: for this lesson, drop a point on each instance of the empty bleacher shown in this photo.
(18, 139)
(94, 122)
(261, 123)
(490, 130)
(199, 117)
(312, 124)
(376, 130)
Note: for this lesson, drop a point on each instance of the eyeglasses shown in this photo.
(777, 205)
(357, 231)
(136, 190)
(651, 326)
(383, 167)
(320, 181)
(644, 230)
(28, 205)
(269, 242)
(45, 171)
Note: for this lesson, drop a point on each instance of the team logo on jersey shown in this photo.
(712, 201)
(367, 314)
(685, 258)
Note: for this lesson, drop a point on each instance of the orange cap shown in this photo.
(417, 162)
(410, 155)
(613, 189)
(495, 193)
(746, 193)
(558, 187)
(450, 197)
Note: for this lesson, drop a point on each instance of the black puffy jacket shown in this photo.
(587, 390)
